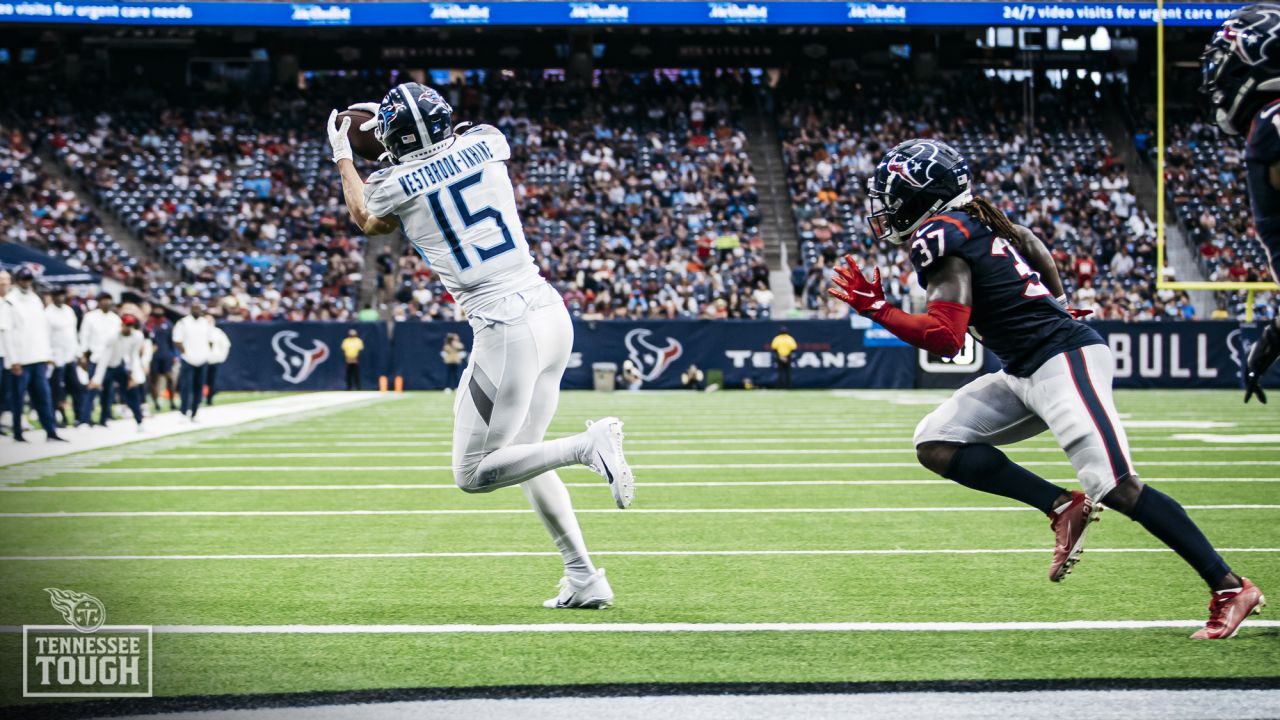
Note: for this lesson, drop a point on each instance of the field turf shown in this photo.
(722, 479)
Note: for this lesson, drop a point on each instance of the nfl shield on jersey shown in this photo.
(458, 209)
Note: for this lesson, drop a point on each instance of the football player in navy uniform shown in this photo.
(1241, 67)
(981, 270)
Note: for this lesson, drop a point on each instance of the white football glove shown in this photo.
(338, 139)
(372, 109)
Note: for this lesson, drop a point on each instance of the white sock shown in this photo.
(550, 499)
(515, 464)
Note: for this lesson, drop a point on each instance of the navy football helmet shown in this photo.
(914, 181)
(413, 122)
(1241, 66)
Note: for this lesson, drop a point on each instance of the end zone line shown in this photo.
(696, 466)
(524, 511)
(684, 627)
(452, 486)
(601, 553)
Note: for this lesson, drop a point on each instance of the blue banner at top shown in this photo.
(410, 14)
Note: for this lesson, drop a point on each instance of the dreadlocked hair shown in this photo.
(982, 211)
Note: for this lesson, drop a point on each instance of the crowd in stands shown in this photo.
(636, 190)
(1062, 180)
(1205, 180)
(38, 209)
(637, 196)
(238, 198)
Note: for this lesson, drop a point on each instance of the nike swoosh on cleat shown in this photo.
(608, 473)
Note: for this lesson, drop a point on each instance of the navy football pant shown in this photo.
(117, 381)
(191, 386)
(33, 382)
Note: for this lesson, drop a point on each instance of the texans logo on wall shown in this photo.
(651, 359)
(298, 362)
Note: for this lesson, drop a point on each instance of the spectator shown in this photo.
(64, 346)
(191, 337)
(452, 354)
(219, 350)
(163, 370)
(631, 378)
(1122, 264)
(28, 356)
(352, 346)
(783, 345)
(97, 328)
(121, 368)
(693, 378)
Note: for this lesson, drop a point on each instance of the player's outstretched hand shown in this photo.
(853, 287)
(338, 139)
(372, 109)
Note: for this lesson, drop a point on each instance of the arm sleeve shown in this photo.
(940, 331)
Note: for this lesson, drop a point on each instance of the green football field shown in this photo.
(784, 528)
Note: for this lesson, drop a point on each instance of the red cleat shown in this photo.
(1228, 609)
(1069, 528)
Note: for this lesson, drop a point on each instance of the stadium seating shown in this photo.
(41, 211)
(1206, 183)
(1063, 181)
(630, 214)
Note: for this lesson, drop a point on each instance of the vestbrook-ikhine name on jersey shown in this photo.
(445, 168)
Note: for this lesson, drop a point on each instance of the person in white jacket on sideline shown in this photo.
(191, 336)
(28, 356)
(121, 365)
(96, 328)
(66, 347)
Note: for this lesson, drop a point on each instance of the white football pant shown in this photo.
(505, 401)
(1070, 394)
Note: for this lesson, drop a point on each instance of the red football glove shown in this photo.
(863, 296)
(1077, 314)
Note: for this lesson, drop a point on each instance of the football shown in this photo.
(363, 142)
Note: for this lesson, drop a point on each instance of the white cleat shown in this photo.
(606, 459)
(593, 593)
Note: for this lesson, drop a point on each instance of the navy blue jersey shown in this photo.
(1261, 152)
(162, 337)
(1014, 314)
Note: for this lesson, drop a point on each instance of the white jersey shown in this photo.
(459, 210)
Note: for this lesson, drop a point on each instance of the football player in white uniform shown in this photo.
(452, 195)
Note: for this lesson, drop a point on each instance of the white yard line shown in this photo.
(681, 627)
(523, 511)
(601, 553)
(690, 466)
(122, 432)
(452, 486)
(693, 452)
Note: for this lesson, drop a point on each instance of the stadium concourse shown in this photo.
(640, 195)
